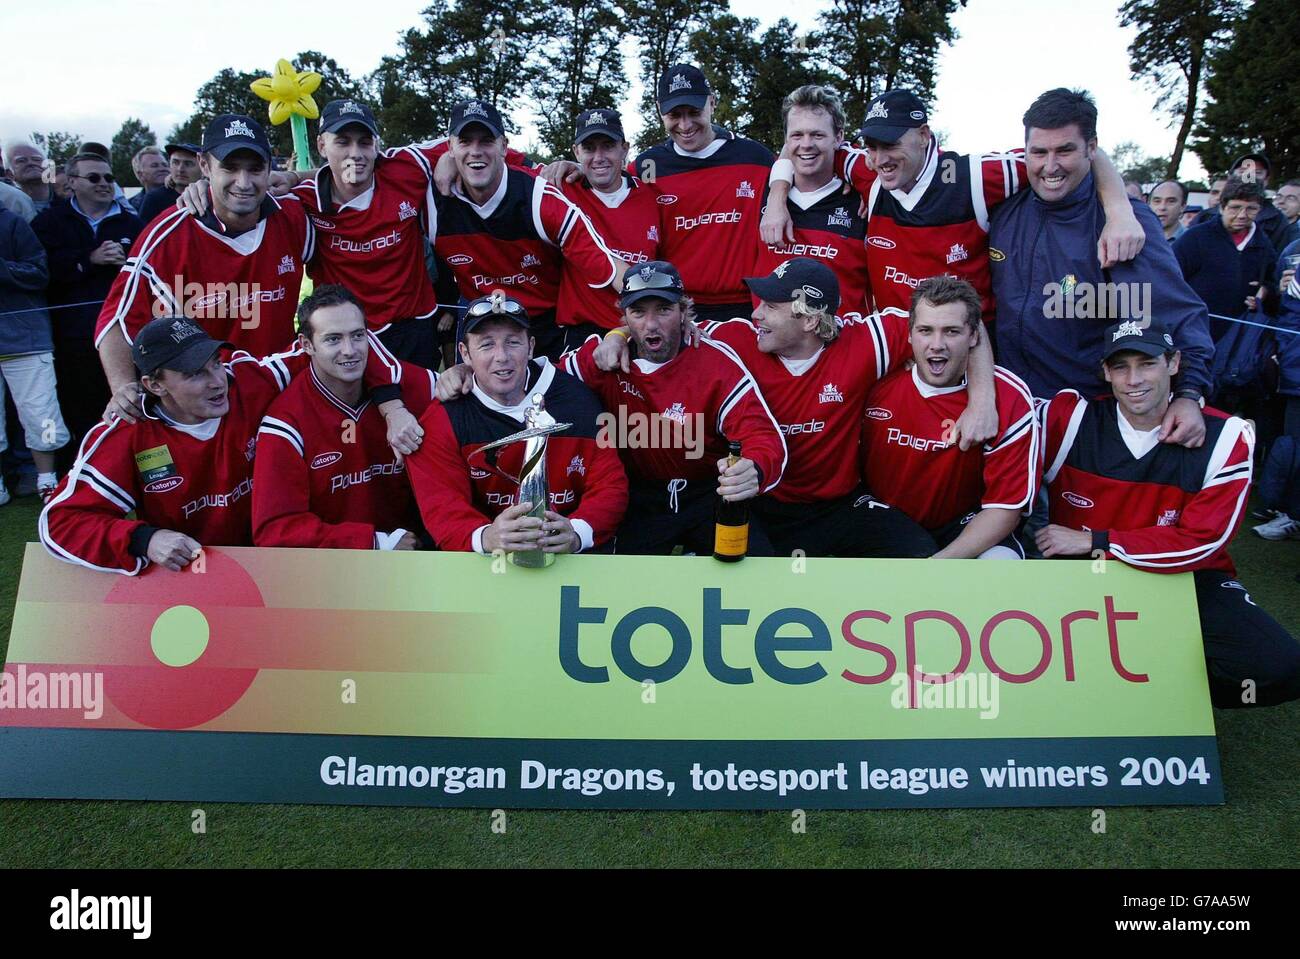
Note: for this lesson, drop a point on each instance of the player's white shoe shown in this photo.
(1280, 526)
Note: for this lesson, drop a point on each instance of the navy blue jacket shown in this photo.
(69, 240)
(1220, 273)
(1288, 318)
(1051, 337)
(24, 322)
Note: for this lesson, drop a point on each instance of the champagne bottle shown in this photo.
(731, 528)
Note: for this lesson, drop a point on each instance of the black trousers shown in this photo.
(856, 525)
(1242, 642)
(415, 341)
(671, 513)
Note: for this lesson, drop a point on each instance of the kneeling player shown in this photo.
(325, 476)
(467, 507)
(185, 466)
(1113, 486)
(970, 500)
(674, 412)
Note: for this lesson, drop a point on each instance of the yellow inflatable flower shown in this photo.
(289, 92)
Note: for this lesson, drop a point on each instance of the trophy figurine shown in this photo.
(533, 488)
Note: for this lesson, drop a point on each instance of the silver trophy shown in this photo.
(533, 488)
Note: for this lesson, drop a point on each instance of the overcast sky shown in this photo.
(86, 65)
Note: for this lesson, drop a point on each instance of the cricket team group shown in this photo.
(871, 325)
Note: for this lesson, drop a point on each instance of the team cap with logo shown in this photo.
(598, 122)
(173, 343)
(801, 278)
(338, 114)
(682, 85)
(892, 114)
(1151, 338)
(230, 132)
(654, 278)
(476, 111)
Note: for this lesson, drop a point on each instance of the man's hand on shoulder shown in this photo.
(1184, 424)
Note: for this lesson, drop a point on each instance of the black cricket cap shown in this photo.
(173, 343)
(476, 111)
(1151, 338)
(892, 114)
(682, 85)
(801, 278)
(497, 305)
(171, 148)
(654, 278)
(604, 122)
(338, 114)
(232, 131)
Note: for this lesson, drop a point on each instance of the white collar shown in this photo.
(204, 430)
(361, 201)
(614, 200)
(805, 200)
(245, 244)
(708, 151)
(908, 199)
(517, 411)
(800, 367)
(928, 391)
(494, 201)
(1139, 442)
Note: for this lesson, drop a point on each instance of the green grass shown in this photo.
(1259, 827)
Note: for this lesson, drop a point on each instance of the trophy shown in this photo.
(533, 488)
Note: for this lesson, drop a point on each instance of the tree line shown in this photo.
(1225, 72)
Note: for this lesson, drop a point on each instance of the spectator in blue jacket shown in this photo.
(87, 239)
(1229, 260)
(1055, 300)
(26, 363)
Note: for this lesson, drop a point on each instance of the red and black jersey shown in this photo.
(940, 226)
(712, 203)
(195, 480)
(1171, 510)
(528, 240)
(827, 228)
(630, 229)
(819, 406)
(911, 463)
(374, 244)
(458, 496)
(325, 475)
(673, 420)
(241, 289)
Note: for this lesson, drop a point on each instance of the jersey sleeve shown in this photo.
(1011, 459)
(85, 521)
(417, 387)
(440, 479)
(1058, 426)
(744, 415)
(582, 362)
(282, 513)
(1209, 519)
(604, 500)
(143, 282)
(851, 165)
(890, 335)
(561, 223)
(1001, 176)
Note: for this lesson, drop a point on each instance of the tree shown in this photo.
(1253, 87)
(466, 48)
(869, 46)
(1169, 52)
(728, 53)
(133, 135)
(662, 29)
(587, 68)
(1133, 164)
(786, 62)
(60, 146)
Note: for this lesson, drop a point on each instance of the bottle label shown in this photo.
(731, 540)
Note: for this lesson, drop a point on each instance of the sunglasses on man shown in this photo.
(93, 177)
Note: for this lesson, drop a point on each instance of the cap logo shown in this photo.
(917, 115)
(878, 111)
(1129, 328)
(679, 82)
(647, 272)
(1169, 340)
(475, 107)
(780, 270)
(596, 117)
(238, 128)
(813, 291)
(183, 330)
(349, 106)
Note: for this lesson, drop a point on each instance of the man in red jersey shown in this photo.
(815, 373)
(826, 224)
(502, 227)
(970, 500)
(184, 464)
(710, 183)
(624, 211)
(928, 209)
(672, 415)
(235, 270)
(325, 476)
(468, 507)
(1115, 490)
